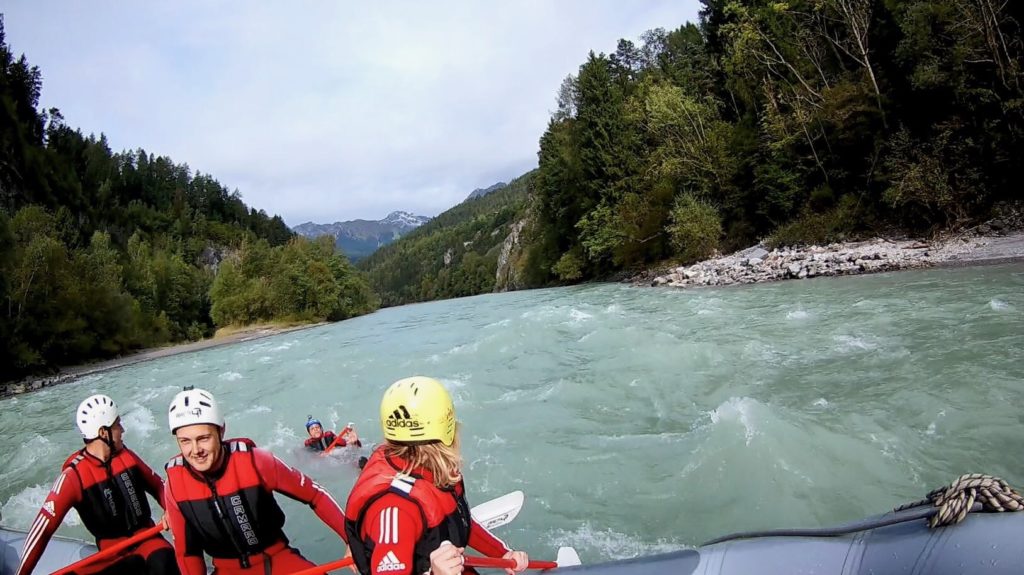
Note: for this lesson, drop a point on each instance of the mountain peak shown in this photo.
(360, 238)
(404, 220)
(479, 192)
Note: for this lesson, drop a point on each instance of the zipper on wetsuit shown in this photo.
(244, 556)
(112, 484)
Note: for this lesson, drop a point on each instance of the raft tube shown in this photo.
(983, 544)
(61, 552)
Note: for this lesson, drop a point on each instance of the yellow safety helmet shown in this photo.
(418, 410)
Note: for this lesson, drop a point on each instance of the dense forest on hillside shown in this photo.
(104, 252)
(805, 121)
(802, 121)
(452, 255)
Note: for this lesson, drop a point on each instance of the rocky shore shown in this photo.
(758, 264)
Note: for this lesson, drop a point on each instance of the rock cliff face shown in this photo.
(212, 256)
(506, 276)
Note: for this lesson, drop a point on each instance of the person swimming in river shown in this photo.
(320, 440)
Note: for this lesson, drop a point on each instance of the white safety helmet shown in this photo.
(96, 412)
(192, 407)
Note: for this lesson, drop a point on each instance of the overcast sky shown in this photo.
(326, 111)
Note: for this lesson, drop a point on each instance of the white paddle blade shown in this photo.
(567, 557)
(498, 512)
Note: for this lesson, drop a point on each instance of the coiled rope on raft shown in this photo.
(956, 500)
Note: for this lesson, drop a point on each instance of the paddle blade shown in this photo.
(567, 557)
(498, 512)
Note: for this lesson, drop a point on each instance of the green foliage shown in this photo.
(695, 229)
(569, 267)
(303, 280)
(931, 182)
(693, 140)
(819, 228)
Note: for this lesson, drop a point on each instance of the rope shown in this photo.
(955, 501)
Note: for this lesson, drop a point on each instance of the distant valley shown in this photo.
(360, 238)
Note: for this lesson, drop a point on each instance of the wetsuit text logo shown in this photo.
(108, 494)
(243, 520)
(129, 486)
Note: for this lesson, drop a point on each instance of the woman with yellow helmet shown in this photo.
(410, 501)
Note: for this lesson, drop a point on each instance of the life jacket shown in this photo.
(320, 443)
(231, 516)
(445, 512)
(114, 502)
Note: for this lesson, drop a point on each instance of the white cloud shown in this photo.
(326, 111)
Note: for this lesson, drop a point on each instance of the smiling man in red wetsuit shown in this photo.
(107, 484)
(220, 496)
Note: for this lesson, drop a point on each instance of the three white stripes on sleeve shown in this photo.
(388, 525)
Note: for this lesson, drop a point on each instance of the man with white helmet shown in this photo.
(220, 498)
(107, 484)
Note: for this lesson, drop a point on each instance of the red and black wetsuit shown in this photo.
(394, 521)
(111, 500)
(232, 516)
(324, 441)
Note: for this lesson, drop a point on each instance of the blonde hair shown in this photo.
(442, 461)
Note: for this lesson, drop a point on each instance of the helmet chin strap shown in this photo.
(107, 440)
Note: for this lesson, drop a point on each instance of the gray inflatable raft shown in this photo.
(983, 544)
(61, 551)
